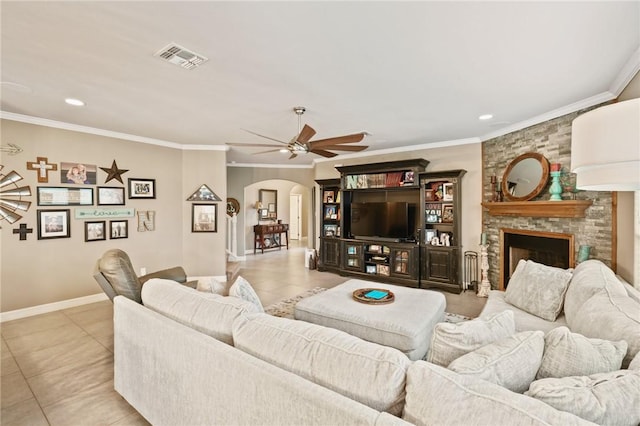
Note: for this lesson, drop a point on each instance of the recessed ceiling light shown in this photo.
(74, 102)
(485, 117)
(283, 150)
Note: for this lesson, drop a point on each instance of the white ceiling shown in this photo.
(409, 73)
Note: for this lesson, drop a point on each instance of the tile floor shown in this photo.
(57, 368)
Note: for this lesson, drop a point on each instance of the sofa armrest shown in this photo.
(174, 274)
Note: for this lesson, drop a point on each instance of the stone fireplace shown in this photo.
(548, 248)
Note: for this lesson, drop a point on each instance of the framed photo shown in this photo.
(263, 213)
(142, 188)
(95, 231)
(330, 212)
(118, 229)
(61, 196)
(447, 192)
(429, 235)
(447, 213)
(330, 230)
(204, 218)
(78, 173)
(54, 224)
(328, 197)
(110, 196)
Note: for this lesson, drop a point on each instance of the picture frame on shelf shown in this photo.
(330, 212)
(328, 197)
(110, 195)
(204, 217)
(447, 213)
(371, 269)
(429, 235)
(95, 231)
(54, 224)
(118, 229)
(330, 230)
(64, 196)
(447, 191)
(141, 188)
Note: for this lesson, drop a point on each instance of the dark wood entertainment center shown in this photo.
(430, 253)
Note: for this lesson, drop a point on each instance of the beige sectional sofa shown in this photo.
(185, 357)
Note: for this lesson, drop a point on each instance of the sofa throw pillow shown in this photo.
(511, 362)
(607, 398)
(438, 396)
(635, 362)
(538, 289)
(450, 341)
(242, 289)
(572, 354)
(210, 285)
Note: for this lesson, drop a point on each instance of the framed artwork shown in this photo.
(204, 218)
(95, 231)
(110, 196)
(61, 196)
(263, 213)
(78, 173)
(328, 197)
(142, 188)
(330, 230)
(447, 192)
(118, 229)
(429, 235)
(447, 213)
(330, 212)
(54, 224)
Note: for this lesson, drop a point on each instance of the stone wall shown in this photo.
(552, 139)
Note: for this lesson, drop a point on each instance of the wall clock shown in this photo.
(233, 206)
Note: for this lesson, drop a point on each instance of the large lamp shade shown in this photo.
(605, 148)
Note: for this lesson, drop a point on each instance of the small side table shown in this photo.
(261, 233)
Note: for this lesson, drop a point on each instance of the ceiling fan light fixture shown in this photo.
(284, 150)
(485, 117)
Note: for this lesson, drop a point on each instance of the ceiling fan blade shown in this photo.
(346, 147)
(306, 134)
(266, 137)
(264, 152)
(254, 145)
(293, 155)
(357, 137)
(324, 153)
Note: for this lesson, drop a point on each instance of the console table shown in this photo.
(264, 236)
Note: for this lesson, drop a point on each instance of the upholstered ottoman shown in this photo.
(405, 324)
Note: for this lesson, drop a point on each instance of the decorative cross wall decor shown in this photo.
(23, 231)
(43, 167)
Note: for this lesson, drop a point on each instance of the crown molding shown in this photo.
(108, 133)
(627, 73)
(272, 166)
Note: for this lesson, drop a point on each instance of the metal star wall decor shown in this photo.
(114, 172)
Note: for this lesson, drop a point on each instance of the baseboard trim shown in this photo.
(50, 307)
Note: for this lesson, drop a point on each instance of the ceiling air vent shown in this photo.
(178, 55)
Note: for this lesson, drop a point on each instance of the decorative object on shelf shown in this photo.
(233, 207)
(11, 198)
(110, 196)
(525, 177)
(204, 218)
(43, 167)
(114, 172)
(62, 196)
(568, 182)
(11, 149)
(583, 253)
(495, 188)
(23, 231)
(555, 189)
(54, 224)
(118, 229)
(146, 220)
(78, 173)
(95, 231)
(373, 296)
(470, 281)
(485, 285)
(604, 147)
(204, 193)
(142, 188)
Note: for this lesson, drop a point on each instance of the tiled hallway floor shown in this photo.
(57, 368)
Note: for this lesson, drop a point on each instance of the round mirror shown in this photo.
(525, 177)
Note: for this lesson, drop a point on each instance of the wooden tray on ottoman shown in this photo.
(360, 296)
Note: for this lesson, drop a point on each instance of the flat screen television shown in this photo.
(383, 220)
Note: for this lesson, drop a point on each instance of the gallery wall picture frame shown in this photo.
(54, 224)
(118, 229)
(95, 230)
(110, 195)
(204, 217)
(142, 188)
(78, 173)
(64, 196)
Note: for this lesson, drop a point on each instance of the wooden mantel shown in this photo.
(568, 208)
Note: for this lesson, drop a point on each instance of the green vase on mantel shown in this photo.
(555, 189)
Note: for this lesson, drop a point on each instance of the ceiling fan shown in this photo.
(301, 143)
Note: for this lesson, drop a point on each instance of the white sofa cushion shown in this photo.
(589, 278)
(452, 340)
(572, 354)
(607, 398)
(210, 285)
(635, 363)
(372, 374)
(611, 317)
(208, 313)
(438, 396)
(511, 362)
(538, 289)
(242, 289)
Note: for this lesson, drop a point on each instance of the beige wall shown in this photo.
(467, 157)
(36, 272)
